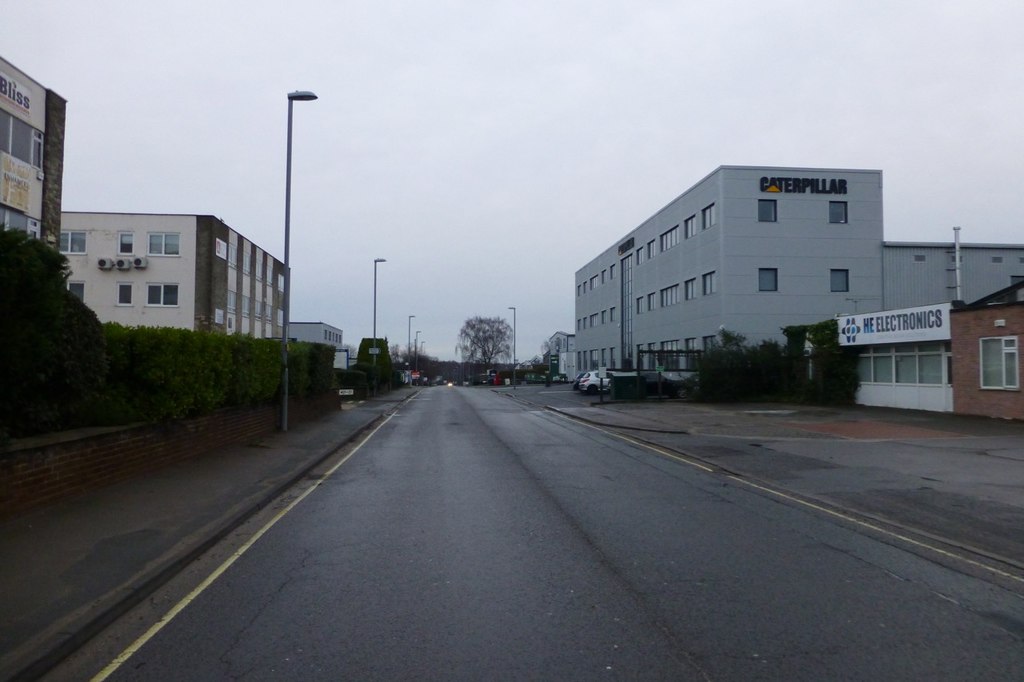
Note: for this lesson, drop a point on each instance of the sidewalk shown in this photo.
(70, 568)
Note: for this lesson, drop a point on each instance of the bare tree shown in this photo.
(485, 339)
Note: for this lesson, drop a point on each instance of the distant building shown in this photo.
(31, 155)
(321, 332)
(184, 271)
(756, 249)
(562, 346)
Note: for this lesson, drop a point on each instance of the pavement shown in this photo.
(73, 567)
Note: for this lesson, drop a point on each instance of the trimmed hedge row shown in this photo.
(159, 373)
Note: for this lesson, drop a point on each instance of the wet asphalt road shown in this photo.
(475, 537)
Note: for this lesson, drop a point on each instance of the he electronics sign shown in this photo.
(925, 323)
(804, 185)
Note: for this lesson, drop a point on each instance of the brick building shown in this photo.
(985, 338)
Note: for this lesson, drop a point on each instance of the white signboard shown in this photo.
(907, 325)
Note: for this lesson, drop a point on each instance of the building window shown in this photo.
(839, 280)
(708, 342)
(604, 316)
(259, 269)
(125, 243)
(707, 281)
(997, 259)
(270, 270)
(650, 249)
(639, 304)
(611, 271)
(837, 211)
(650, 301)
(37, 149)
(280, 282)
(593, 320)
(690, 227)
(124, 293)
(232, 302)
(670, 295)
(603, 273)
(593, 282)
(639, 256)
(919, 258)
(78, 289)
(258, 312)
(707, 216)
(611, 314)
(232, 256)
(164, 244)
(162, 295)
(690, 343)
(245, 305)
(766, 211)
(670, 238)
(72, 242)
(246, 262)
(768, 279)
(611, 357)
(999, 363)
(690, 289)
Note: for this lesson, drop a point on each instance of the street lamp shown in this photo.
(416, 349)
(376, 349)
(513, 309)
(301, 96)
(408, 343)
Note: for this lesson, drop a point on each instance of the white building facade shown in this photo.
(184, 271)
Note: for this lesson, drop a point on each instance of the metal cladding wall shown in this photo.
(924, 273)
(723, 250)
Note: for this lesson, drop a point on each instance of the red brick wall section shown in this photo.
(967, 327)
(51, 468)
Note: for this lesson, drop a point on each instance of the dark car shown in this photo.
(576, 381)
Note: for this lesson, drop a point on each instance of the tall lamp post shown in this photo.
(376, 349)
(408, 346)
(416, 350)
(513, 309)
(300, 96)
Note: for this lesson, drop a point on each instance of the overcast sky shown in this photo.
(489, 149)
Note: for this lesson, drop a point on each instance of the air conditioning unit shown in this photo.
(140, 262)
(123, 263)
(105, 263)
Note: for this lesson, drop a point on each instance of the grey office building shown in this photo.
(756, 249)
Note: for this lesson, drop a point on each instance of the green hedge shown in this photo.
(161, 373)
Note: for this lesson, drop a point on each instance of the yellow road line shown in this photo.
(199, 589)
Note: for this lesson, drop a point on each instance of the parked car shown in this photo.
(593, 382)
(576, 381)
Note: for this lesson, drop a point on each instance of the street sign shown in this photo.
(375, 351)
(346, 391)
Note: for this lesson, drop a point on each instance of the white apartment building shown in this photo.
(165, 270)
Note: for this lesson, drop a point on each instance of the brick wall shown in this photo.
(41, 470)
(967, 327)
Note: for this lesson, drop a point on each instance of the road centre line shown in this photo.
(134, 647)
(790, 498)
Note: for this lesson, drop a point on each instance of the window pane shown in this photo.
(882, 367)
(156, 244)
(766, 210)
(5, 131)
(124, 294)
(837, 211)
(906, 369)
(170, 294)
(767, 279)
(930, 368)
(78, 289)
(840, 280)
(992, 363)
(153, 295)
(171, 245)
(126, 242)
(864, 368)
